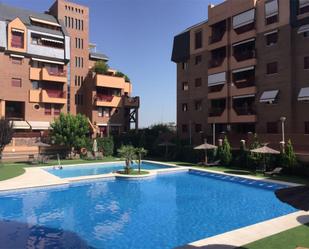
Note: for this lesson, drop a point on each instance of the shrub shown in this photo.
(106, 145)
(224, 153)
(255, 159)
(101, 67)
(288, 157)
(120, 74)
(6, 134)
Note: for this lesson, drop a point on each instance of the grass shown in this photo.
(289, 239)
(244, 172)
(134, 172)
(10, 170)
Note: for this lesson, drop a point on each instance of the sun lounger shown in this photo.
(276, 171)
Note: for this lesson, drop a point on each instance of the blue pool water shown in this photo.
(96, 169)
(166, 211)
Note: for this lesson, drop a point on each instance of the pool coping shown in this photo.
(234, 238)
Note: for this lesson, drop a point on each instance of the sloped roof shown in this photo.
(8, 13)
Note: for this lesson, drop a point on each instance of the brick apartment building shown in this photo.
(245, 70)
(46, 63)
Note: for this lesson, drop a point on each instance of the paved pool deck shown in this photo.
(37, 177)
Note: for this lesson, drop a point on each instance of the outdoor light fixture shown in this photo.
(282, 119)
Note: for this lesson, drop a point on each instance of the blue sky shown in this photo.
(137, 35)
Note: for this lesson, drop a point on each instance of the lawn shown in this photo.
(289, 239)
(239, 171)
(10, 170)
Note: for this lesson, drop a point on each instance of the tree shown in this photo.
(6, 134)
(101, 67)
(106, 144)
(224, 152)
(128, 152)
(140, 153)
(255, 158)
(121, 74)
(288, 157)
(70, 131)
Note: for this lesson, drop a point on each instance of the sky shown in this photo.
(137, 36)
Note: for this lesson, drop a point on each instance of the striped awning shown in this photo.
(244, 18)
(48, 61)
(303, 29)
(217, 79)
(303, 94)
(244, 69)
(39, 125)
(52, 40)
(20, 125)
(271, 8)
(303, 3)
(244, 96)
(269, 96)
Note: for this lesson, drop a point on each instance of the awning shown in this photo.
(244, 96)
(269, 96)
(20, 125)
(243, 42)
(303, 29)
(303, 3)
(271, 32)
(44, 21)
(217, 79)
(51, 40)
(243, 19)
(48, 61)
(303, 94)
(39, 125)
(271, 8)
(18, 30)
(244, 69)
(17, 56)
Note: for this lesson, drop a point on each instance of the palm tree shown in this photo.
(140, 153)
(128, 152)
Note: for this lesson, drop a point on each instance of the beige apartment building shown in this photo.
(46, 67)
(245, 70)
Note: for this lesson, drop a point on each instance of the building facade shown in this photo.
(47, 67)
(245, 71)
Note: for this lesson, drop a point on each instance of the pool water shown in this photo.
(96, 169)
(165, 211)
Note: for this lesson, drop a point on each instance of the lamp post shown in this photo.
(282, 119)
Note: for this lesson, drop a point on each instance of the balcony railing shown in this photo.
(104, 97)
(216, 37)
(244, 82)
(216, 111)
(55, 93)
(244, 55)
(56, 72)
(241, 110)
(131, 101)
(245, 28)
(216, 62)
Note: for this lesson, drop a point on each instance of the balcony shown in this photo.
(110, 81)
(242, 115)
(47, 96)
(216, 92)
(243, 54)
(107, 100)
(132, 102)
(218, 115)
(48, 75)
(217, 58)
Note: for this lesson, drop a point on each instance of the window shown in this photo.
(47, 109)
(198, 39)
(82, 24)
(271, 19)
(198, 82)
(104, 112)
(57, 110)
(272, 68)
(271, 39)
(198, 128)
(307, 127)
(185, 86)
(185, 65)
(184, 107)
(198, 59)
(272, 127)
(198, 105)
(184, 128)
(16, 82)
(17, 39)
(16, 60)
(66, 21)
(306, 62)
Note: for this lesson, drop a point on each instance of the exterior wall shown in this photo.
(289, 52)
(17, 24)
(3, 34)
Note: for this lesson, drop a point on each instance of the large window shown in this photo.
(17, 39)
(271, 38)
(198, 39)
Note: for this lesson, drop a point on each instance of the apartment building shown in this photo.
(245, 71)
(47, 67)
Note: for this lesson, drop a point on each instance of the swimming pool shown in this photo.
(96, 169)
(166, 211)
